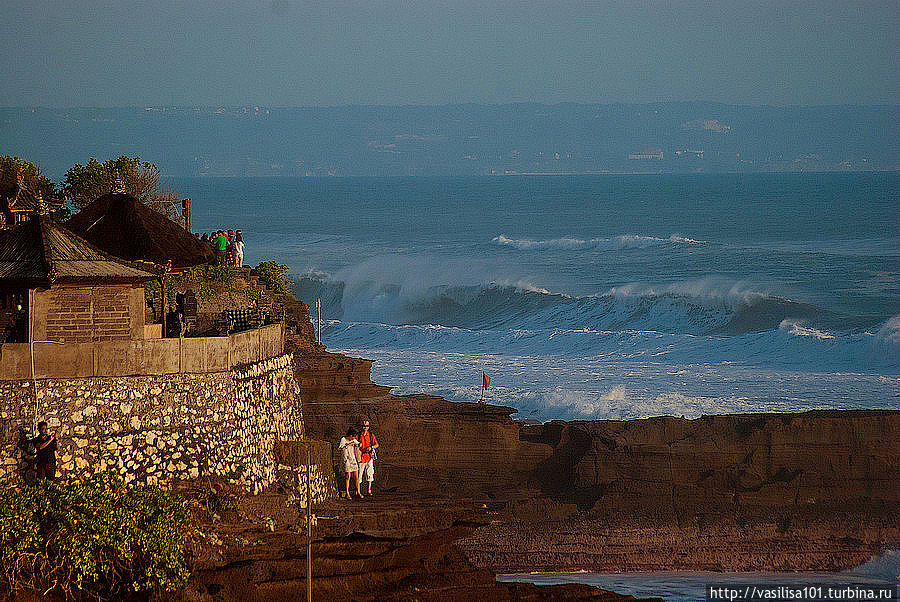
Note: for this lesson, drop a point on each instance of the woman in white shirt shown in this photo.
(349, 447)
(238, 249)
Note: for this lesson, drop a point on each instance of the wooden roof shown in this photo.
(42, 252)
(22, 199)
(120, 224)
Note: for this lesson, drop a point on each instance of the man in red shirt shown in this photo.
(367, 446)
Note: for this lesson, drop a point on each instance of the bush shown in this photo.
(96, 538)
(272, 274)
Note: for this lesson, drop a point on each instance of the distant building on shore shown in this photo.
(652, 153)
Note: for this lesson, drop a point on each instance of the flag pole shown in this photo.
(483, 387)
(319, 319)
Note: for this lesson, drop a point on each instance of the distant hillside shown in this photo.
(460, 139)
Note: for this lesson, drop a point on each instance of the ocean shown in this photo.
(594, 296)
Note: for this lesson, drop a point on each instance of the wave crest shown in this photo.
(615, 243)
(692, 307)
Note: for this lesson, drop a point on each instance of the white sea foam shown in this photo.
(885, 566)
(714, 288)
(621, 384)
(889, 333)
(624, 241)
(795, 328)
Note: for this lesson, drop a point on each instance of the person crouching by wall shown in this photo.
(349, 447)
(46, 445)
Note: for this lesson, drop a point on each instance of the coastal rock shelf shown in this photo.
(806, 491)
(396, 547)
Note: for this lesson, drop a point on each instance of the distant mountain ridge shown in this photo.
(468, 139)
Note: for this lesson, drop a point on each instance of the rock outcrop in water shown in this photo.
(802, 491)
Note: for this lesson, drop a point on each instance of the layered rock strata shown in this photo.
(401, 548)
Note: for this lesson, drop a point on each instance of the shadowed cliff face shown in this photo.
(773, 460)
(386, 548)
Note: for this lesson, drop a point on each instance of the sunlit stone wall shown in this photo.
(156, 429)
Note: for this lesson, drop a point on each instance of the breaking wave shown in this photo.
(684, 308)
(689, 322)
(615, 243)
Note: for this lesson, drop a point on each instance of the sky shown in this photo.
(100, 53)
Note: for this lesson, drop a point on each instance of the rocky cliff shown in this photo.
(397, 547)
(806, 491)
(810, 491)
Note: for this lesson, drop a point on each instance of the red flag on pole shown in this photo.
(485, 381)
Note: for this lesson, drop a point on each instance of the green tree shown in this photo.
(274, 276)
(86, 183)
(35, 180)
(97, 539)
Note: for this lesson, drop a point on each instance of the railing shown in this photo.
(141, 357)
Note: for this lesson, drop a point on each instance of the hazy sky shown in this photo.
(308, 53)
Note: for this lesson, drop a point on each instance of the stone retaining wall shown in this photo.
(156, 429)
(140, 356)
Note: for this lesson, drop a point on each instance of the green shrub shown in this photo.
(96, 538)
(273, 275)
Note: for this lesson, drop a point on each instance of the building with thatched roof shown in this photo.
(55, 286)
(120, 224)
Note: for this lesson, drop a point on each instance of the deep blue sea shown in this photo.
(618, 296)
(607, 296)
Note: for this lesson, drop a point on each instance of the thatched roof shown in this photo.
(41, 252)
(122, 225)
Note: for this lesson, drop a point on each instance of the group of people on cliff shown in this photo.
(358, 452)
(228, 245)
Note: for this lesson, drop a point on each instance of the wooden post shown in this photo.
(162, 301)
(186, 213)
(308, 530)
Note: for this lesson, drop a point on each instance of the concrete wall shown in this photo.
(80, 314)
(155, 429)
(141, 356)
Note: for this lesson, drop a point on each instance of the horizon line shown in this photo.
(448, 104)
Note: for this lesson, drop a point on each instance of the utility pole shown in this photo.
(186, 213)
(319, 320)
(308, 531)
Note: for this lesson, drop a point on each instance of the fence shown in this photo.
(140, 357)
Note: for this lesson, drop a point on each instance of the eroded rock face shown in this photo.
(329, 377)
(809, 491)
(389, 548)
(768, 460)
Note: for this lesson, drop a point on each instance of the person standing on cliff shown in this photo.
(349, 447)
(367, 446)
(221, 244)
(238, 249)
(45, 444)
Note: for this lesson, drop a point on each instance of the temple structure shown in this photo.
(19, 203)
(55, 286)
